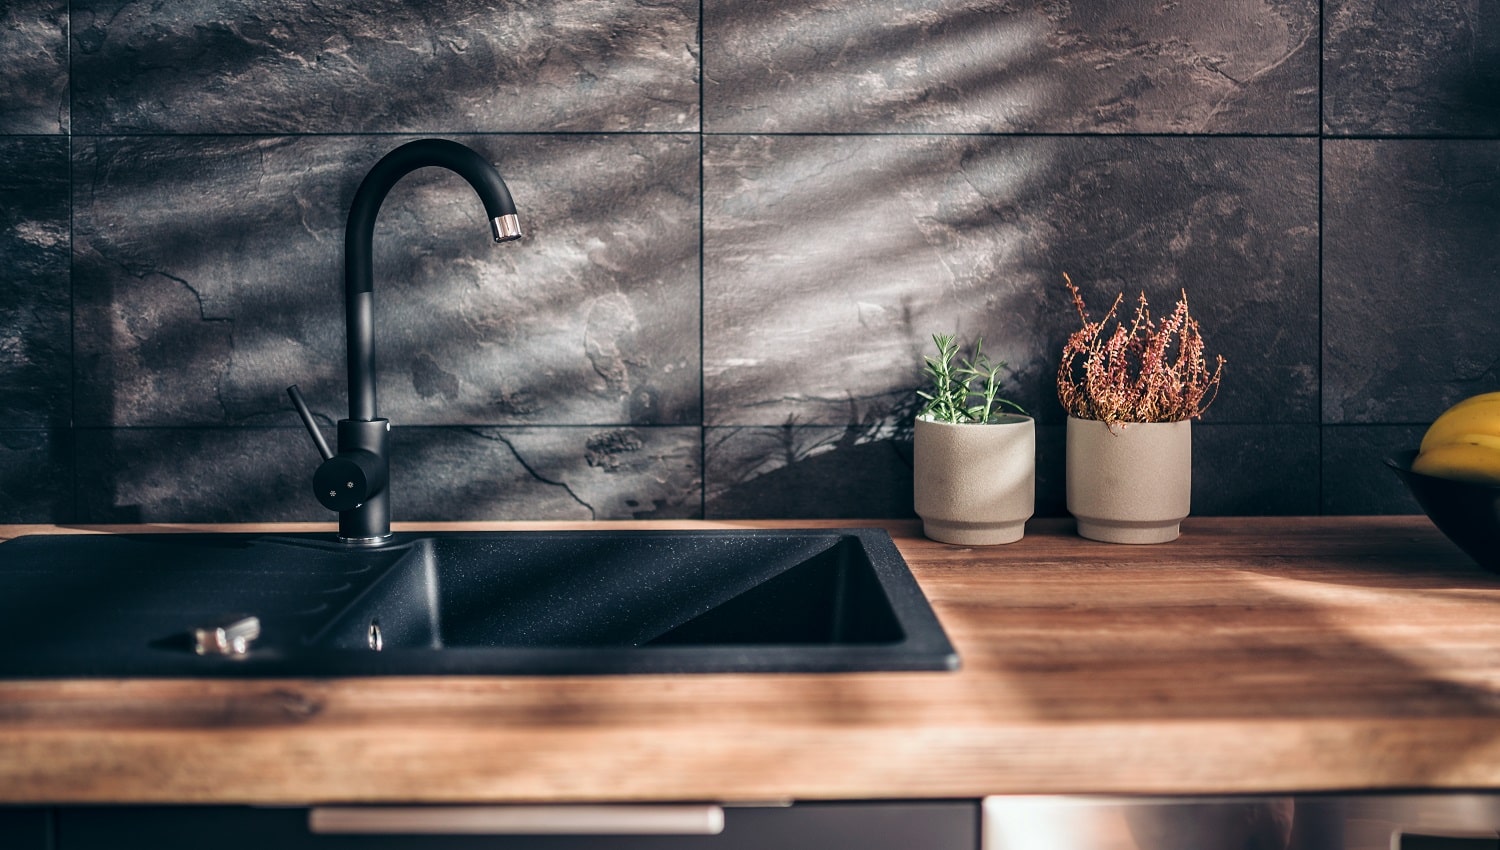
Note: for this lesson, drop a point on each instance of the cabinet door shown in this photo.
(25, 828)
(812, 826)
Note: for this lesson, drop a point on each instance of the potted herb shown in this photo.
(974, 463)
(1131, 392)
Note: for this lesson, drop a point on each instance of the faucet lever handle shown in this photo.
(307, 419)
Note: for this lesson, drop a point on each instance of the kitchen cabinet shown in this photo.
(936, 825)
(27, 828)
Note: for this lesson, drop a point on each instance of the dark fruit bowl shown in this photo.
(1469, 514)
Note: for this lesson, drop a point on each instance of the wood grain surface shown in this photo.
(1250, 655)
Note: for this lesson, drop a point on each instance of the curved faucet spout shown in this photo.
(358, 254)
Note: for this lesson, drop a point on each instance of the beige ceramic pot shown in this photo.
(975, 485)
(1129, 483)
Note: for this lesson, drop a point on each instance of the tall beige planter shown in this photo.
(975, 485)
(1129, 483)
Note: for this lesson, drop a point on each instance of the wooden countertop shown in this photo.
(1251, 655)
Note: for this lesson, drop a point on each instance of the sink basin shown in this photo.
(540, 603)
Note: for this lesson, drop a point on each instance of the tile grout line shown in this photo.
(297, 427)
(75, 488)
(702, 285)
(1322, 237)
(710, 133)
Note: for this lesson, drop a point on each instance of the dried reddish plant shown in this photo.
(1137, 372)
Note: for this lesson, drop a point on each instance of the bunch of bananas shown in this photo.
(1464, 443)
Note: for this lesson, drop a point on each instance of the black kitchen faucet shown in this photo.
(354, 481)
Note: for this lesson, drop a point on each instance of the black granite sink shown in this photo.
(608, 602)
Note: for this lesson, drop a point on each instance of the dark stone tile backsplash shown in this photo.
(851, 472)
(35, 391)
(1411, 272)
(1421, 69)
(552, 472)
(742, 227)
(829, 262)
(999, 66)
(1355, 478)
(452, 473)
(383, 66)
(208, 275)
(36, 476)
(34, 82)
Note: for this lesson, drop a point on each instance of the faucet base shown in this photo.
(364, 541)
(369, 522)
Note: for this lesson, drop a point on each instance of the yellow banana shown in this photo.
(1479, 415)
(1475, 462)
(1486, 440)
(1477, 398)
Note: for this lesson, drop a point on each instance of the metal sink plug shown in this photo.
(355, 480)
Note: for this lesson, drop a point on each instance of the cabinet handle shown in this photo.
(517, 820)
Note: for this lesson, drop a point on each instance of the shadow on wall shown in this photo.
(36, 476)
(195, 475)
(1469, 88)
(982, 66)
(1477, 93)
(866, 471)
(860, 470)
(855, 69)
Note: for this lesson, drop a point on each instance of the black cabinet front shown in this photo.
(939, 825)
(25, 828)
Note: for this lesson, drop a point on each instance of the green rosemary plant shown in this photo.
(955, 382)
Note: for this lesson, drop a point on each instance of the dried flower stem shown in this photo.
(1131, 373)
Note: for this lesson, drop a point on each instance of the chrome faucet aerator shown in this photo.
(354, 481)
(507, 228)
